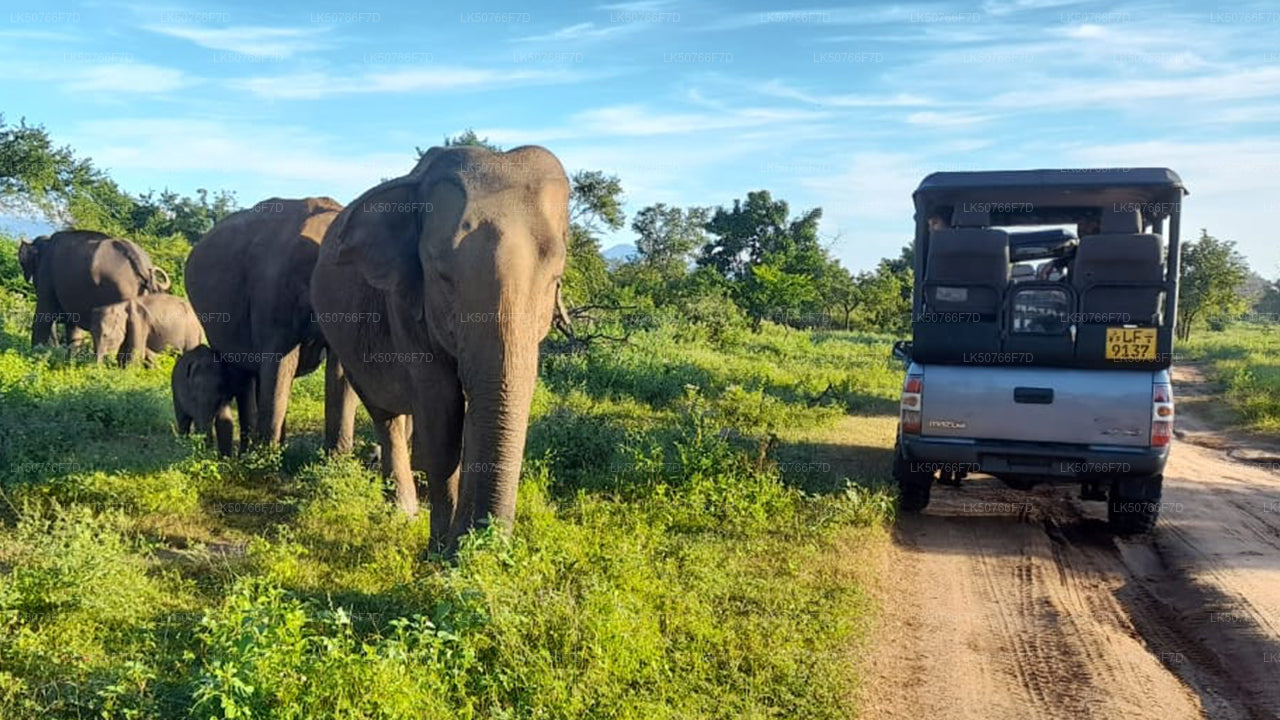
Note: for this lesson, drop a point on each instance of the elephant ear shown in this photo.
(378, 234)
(28, 258)
(382, 232)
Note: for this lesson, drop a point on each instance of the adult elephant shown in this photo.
(435, 289)
(75, 271)
(248, 280)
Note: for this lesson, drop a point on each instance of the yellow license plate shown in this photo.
(1131, 344)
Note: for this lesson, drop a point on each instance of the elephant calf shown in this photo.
(144, 326)
(203, 388)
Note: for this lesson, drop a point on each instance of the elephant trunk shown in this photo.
(494, 430)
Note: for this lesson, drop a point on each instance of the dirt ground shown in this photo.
(1002, 604)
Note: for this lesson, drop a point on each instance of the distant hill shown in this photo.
(620, 253)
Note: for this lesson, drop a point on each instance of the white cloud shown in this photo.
(259, 41)
(946, 119)
(1087, 32)
(281, 160)
(1230, 182)
(133, 78)
(1138, 92)
(310, 86)
(583, 32)
(636, 6)
(635, 120)
(776, 88)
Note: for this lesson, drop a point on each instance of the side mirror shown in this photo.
(902, 351)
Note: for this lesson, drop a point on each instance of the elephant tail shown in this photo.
(160, 281)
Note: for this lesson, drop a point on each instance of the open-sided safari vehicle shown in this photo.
(1042, 332)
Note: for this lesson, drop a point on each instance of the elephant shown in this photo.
(75, 271)
(435, 289)
(249, 280)
(142, 327)
(203, 388)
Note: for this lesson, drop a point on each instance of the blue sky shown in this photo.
(846, 108)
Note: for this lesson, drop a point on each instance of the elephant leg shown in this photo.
(247, 406)
(75, 338)
(339, 407)
(395, 458)
(42, 332)
(222, 428)
(184, 420)
(437, 450)
(275, 380)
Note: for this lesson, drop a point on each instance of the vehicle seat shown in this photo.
(1119, 278)
(963, 290)
(1120, 272)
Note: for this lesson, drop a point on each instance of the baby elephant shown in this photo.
(203, 388)
(144, 326)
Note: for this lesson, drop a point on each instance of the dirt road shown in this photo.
(1008, 604)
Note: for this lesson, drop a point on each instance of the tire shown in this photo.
(913, 487)
(1133, 504)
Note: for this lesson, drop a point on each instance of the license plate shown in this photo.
(1131, 344)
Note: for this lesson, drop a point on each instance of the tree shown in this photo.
(170, 213)
(756, 229)
(39, 179)
(771, 291)
(839, 290)
(466, 137)
(1210, 278)
(667, 237)
(595, 203)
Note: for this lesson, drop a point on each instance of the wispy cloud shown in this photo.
(583, 32)
(264, 41)
(295, 160)
(776, 88)
(125, 78)
(315, 85)
(637, 120)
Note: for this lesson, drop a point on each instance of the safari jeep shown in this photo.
(1042, 330)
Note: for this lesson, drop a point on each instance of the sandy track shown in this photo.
(1008, 604)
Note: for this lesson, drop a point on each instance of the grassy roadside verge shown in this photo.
(1244, 362)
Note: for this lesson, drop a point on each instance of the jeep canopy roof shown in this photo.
(1049, 195)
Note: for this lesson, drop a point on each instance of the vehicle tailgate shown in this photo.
(1088, 407)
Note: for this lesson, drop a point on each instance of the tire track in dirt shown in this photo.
(1009, 604)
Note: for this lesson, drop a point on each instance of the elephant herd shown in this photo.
(426, 298)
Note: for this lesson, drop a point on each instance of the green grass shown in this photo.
(1244, 361)
(662, 566)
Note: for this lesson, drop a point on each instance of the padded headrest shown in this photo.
(968, 256)
(1022, 270)
(1116, 222)
(970, 215)
(1119, 258)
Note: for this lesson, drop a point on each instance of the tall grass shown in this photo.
(1244, 360)
(660, 567)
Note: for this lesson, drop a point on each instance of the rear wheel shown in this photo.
(1133, 504)
(913, 485)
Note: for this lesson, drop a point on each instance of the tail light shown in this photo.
(1161, 414)
(912, 396)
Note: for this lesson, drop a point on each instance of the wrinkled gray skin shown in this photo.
(434, 289)
(203, 390)
(249, 281)
(75, 271)
(139, 329)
